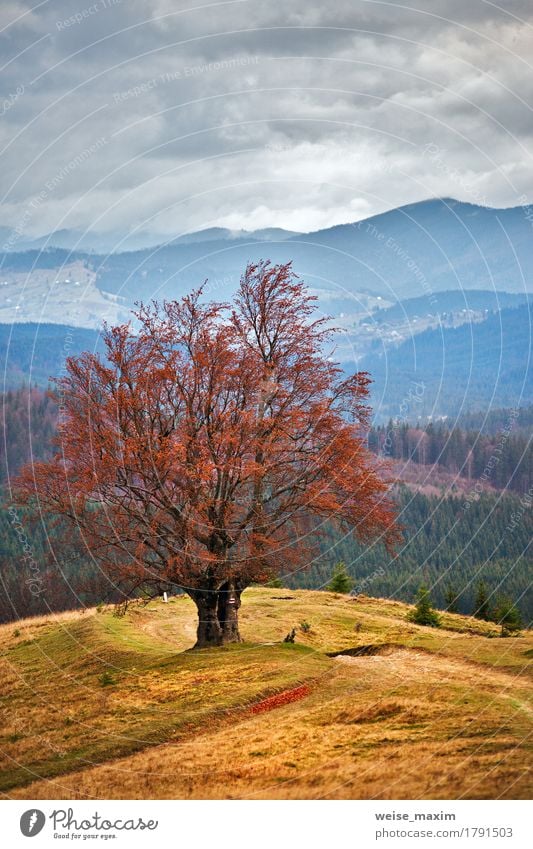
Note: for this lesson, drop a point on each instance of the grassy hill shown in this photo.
(95, 706)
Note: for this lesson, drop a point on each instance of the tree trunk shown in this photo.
(218, 615)
(209, 632)
(229, 601)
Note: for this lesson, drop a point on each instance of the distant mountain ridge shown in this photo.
(418, 260)
(452, 371)
(31, 354)
(443, 371)
(99, 243)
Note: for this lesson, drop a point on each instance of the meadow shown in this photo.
(99, 706)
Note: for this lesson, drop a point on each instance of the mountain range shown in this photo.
(440, 272)
(417, 250)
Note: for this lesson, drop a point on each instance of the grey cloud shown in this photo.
(300, 116)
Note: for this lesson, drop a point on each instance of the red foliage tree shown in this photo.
(195, 454)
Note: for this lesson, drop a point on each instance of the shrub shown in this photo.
(305, 627)
(452, 599)
(106, 679)
(120, 609)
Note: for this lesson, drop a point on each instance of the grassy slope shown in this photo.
(437, 714)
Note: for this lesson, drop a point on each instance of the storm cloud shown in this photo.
(168, 117)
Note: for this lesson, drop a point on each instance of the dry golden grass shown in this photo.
(439, 714)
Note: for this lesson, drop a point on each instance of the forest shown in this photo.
(502, 459)
(494, 420)
(446, 546)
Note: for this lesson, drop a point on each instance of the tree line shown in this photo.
(27, 427)
(503, 460)
(446, 547)
(502, 612)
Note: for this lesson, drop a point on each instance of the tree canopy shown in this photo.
(195, 451)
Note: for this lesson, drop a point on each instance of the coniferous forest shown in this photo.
(449, 543)
(502, 459)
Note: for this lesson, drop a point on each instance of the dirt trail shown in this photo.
(405, 663)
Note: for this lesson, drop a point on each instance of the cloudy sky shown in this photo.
(170, 116)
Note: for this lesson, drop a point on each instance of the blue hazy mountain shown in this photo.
(442, 372)
(413, 251)
(449, 244)
(451, 371)
(30, 354)
(432, 257)
(118, 242)
(451, 302)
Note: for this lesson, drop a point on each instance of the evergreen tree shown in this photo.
(424, 612)
(481, 603)
(340, 580)
(452, 599)
(508, 616)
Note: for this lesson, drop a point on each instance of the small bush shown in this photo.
(121, 608)
(106, 679)
(16, 632)
(481, 602)
(305, 627)
(451, 597)
(14, 738)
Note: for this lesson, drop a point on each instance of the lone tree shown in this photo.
(424, 612)
(340, 580)
(209, 444)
